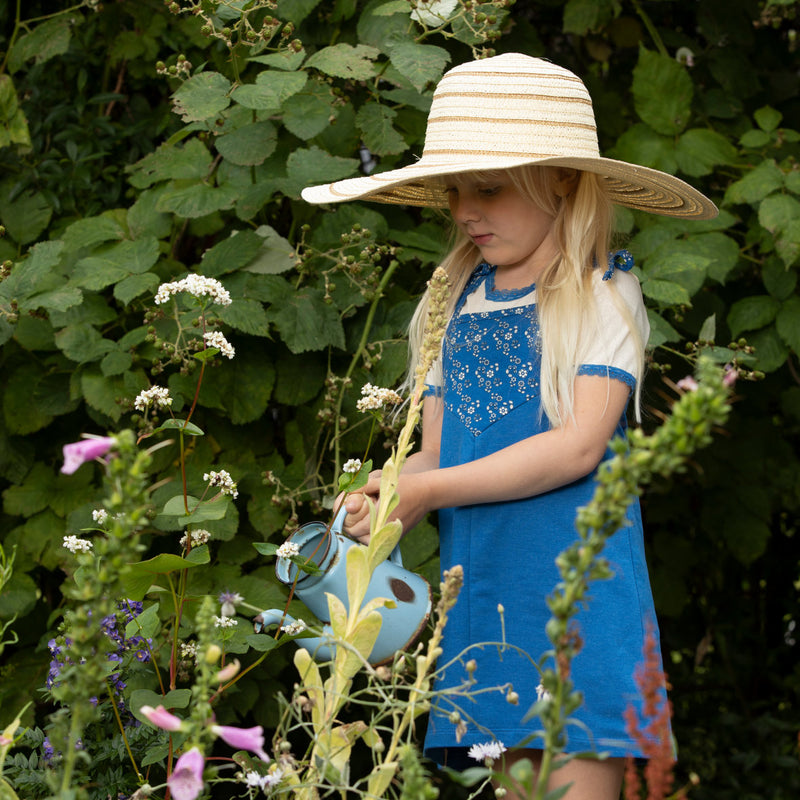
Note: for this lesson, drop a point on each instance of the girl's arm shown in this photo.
(529, 467)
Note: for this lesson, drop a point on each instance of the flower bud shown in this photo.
(213, 654)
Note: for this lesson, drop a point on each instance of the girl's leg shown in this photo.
(590, 779)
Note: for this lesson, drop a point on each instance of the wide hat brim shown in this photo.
(512, 111)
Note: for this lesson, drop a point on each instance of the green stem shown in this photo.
(651, 29)
(122, 731)
(362, 344)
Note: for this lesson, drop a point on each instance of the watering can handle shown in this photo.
(337, 527)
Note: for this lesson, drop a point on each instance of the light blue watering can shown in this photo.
(410, 592)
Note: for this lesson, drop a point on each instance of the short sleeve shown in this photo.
(434, 380)
(613, 350)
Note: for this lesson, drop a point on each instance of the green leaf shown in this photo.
(115, 263)
(82, 343)
(198, 510)
(583, 16)
(189, 161)
(767, 118)
(770, 351)
(247, 316)
(295, 11)
(275, 256)
(780, 215)
(312, 166)
(26, 216)
(247, 383)
(307, 322)
(188, 428)
(761, 181)
(754, 139)
(201, 97)
(33, 495)
(640, 144)
(134, 285)
(345, 61)
(721, 251)
(381, 31)
(787, 323)
(249, 145)
(230, 254)
(375, 122)
(90, 232)
(421, 64)
(308, 113)
(13, 125)
(21, 411)
(103, 393)
(666, 293)
(752, 313)
(47, 40)
(196, 200)
(662, 92)
(115, 362)
(270, 90)
(779, 281)
(55, 300)
(681, 261)
(699, 150)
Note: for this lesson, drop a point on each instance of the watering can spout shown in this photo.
(319, 646)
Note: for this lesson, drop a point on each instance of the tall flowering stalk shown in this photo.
(703, 405)
(356, 629)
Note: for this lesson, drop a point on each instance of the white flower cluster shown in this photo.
(293, 628)
(263, 782)
(100, 516)
(189, 650)
(287, 550)
(197, 537)
(77, 545)
(156, 396)
(352, 466)
(197, 286)
(216, 339)
(225, 622)
(223, 480)
(374, 398)
(480, 752)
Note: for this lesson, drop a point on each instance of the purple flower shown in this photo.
(186, 781)
(251, 739)
(162, 718)
(688, 384)
(79, 453)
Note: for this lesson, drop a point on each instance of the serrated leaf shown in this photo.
(420, 64)
(232, 253)
(33, 495)
(27, 215)
(275, 256)
(183, 161)
(667, 293)
(345, 61)
(662, 92)
(115, 263)
(787, 323)
(201, 97)
(307, 322)
(82, 343)
(116, 362)
(755, 185)
(699, 150)
(770, 351)
(45, 41)
(90, 232)
(55, 300)
(640, 144)
(197, 200)
(199, 511)
(767, 118)
(102, 393)
(307, 167)
(135, 285)
(307, 113)
(249, 145)
(583, 16)
(752, 313)
(270, 90)
(379, 136)
(247, 383)
(248, 316)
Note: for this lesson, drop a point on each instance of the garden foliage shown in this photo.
(141, 141)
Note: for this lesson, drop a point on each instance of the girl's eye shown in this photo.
(451, 190)
(489, 191)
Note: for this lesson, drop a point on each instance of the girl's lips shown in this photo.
(481, 239)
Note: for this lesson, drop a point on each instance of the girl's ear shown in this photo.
(565, 181)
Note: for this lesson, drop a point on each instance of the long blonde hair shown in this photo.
(565, 301)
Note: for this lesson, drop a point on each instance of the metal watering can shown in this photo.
(401, 625)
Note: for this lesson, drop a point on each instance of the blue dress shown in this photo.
(488, 378)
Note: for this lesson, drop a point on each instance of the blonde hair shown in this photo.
(565, 301)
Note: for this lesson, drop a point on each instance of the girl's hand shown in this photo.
(413, 505)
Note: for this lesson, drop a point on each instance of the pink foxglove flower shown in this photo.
(162, 718)
(79, 453)
(186, 781)
(251, 739)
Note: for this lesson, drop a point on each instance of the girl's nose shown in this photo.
(464, 207)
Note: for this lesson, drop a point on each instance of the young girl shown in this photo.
(544, 347)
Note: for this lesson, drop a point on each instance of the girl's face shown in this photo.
(510, 230)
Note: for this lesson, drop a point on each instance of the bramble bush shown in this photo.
(142, 142)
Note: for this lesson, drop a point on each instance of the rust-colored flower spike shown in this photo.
(438, 292)
(654, 738)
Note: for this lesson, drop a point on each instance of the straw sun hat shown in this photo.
(509, 111)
